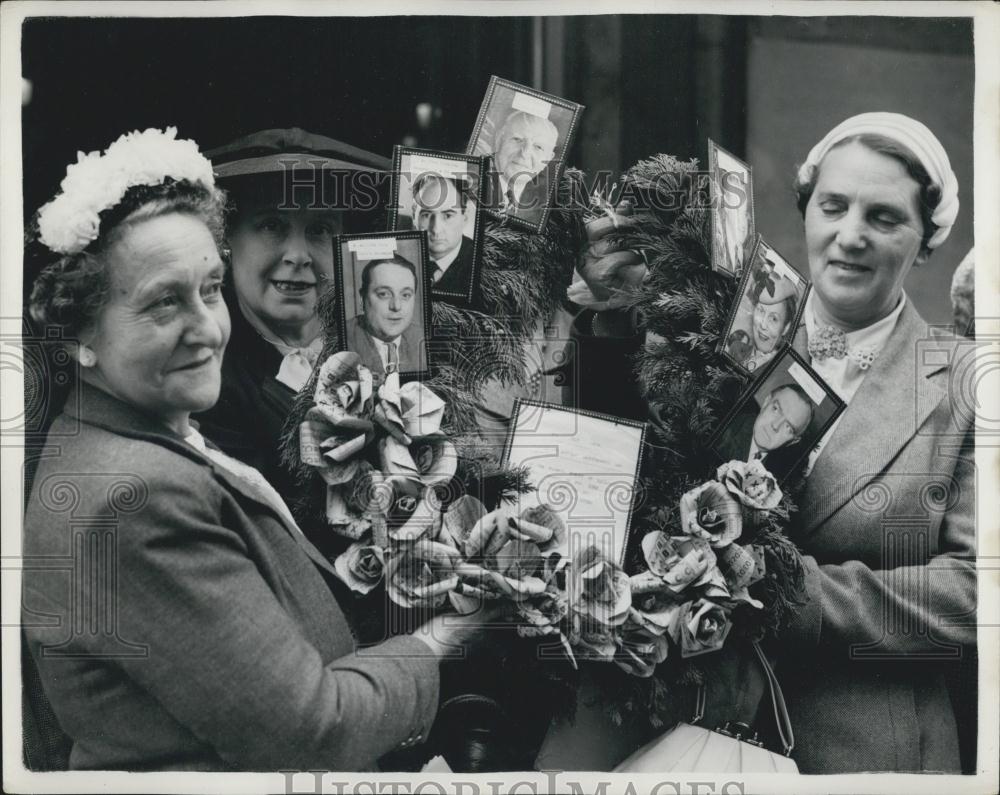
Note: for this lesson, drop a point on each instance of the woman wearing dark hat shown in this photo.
(284, 213)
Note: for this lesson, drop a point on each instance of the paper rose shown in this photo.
(351, 506)
(408, 411)
(422, 575)
(515, 574)
(337, 427)
(361, 566)
(543, 617)
(640, 651)
(674, 562)
(408, 514)
(598, 591)
(704, 626)
(709, 512)
(655, 613)
(432, 460)
(750, 483)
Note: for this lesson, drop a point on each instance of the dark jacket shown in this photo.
(457, 279)
(187, 626)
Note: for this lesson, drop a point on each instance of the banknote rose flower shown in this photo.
(361, 566)
(432, 460)
(704, 626)
(408, 513)
(514, 573)
(422, 574)
(338, 425)
(709, 512)
(751, 484)
(674, 561)
(544, 616)
(657, 613)
(598, 591)
(639, 650)
(408, 411)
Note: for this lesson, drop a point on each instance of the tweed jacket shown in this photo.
(887, 523)
(182, 624)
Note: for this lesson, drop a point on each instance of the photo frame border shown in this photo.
(479, 231)
(731, 316)
(715, 195)
(642, 426)
(839, 407)
(574, 107)
(338, 278)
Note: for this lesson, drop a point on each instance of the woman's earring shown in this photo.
(87, 357)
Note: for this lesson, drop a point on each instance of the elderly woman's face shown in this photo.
(863, 233)
(281, 260)
(159, 340)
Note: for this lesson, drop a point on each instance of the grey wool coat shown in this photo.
(887, 524)
(179, 623)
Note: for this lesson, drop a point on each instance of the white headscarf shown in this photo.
(915, 137)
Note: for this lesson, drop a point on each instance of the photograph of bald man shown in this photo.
(526, 133)
(779, 419)
(523, 146)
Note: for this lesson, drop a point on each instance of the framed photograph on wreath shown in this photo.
(383, 299)
(766, 311)
(441, 193)
(584, 467)
(733, 230)
(780, 418)
(526, 133)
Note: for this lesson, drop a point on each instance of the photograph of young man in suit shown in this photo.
(441, 207)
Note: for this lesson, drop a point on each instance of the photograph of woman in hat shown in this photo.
(763, 317)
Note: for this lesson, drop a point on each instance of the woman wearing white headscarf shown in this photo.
(886, 516)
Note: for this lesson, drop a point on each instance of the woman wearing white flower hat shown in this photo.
(886, 517)
(200, 630)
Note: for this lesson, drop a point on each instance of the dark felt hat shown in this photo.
(278, 151)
